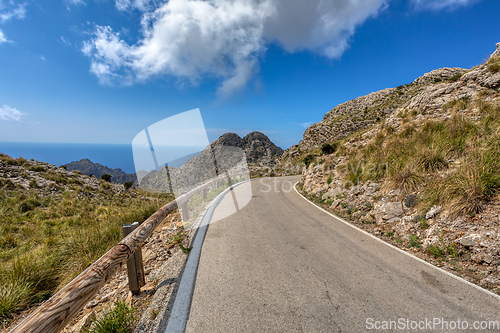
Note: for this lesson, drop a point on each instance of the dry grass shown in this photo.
(418, 158)
(45, 241)
(493, 64)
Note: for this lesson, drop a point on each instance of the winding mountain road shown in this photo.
(282, 265)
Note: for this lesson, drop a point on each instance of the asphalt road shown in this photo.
(282, 265)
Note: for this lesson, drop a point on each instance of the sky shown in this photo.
(101, 71)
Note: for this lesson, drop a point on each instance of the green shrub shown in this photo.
(327, 149)
(106, 177)
(309, 159)
(455, 77)
(424, 224)
(414, 242)
(128, 185)
(436, 251)
(120, 319)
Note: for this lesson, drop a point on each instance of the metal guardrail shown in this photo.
(56, 313)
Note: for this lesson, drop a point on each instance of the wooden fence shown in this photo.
(55, 314)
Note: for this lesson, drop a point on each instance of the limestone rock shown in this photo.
(433, 212)
(388, 211)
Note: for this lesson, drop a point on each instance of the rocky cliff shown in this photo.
(418, 165)
(429, 92)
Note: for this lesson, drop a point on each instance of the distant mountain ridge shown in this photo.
(259, 150)
(87, 167)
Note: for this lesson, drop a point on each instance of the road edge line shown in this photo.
(179, 314)
(395, 247)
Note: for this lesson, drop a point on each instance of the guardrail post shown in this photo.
(135, 266)
(185, 210)
(205, 193)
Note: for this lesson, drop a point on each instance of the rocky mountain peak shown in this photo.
(257, 146)
(228, 139)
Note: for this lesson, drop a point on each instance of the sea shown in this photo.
(110, 155)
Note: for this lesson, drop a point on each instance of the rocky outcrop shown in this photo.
(87, 167)
(427, 93)
(257, 146)
(47, 179)
(471, 242)
(224, 154)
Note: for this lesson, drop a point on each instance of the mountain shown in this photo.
(225, 154)
(417, 165)
(87, 167)
(258, 148)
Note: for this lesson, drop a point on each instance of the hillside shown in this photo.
(87, 167)
(261, 155)
(418, 165)
(54, 224)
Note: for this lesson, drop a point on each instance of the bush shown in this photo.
(327, 149)
(493, 64)
(414, 242)
(128, 185)
(106, 177)
(455, 77)
(309, 159)
(119, 320)
(436, 251)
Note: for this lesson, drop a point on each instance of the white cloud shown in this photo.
(3, 39)
(306, 124)
(142, 5)
(66, 41)
(10, 114)
(74, 3)
(8, 11)
(440, 4)
(222, 39)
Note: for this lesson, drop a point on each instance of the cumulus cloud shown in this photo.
(222, 39)
(440, 4)
(10, 114)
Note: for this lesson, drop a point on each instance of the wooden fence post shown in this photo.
(135, 266)
(185, 210)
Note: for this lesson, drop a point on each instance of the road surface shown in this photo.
(282, 265)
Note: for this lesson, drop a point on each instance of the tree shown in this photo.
(128, 185)
(106, 177)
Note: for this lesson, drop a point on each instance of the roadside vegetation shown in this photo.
(48, 239)
(454, 162)
(120, 319)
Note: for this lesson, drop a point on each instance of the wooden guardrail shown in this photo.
(55, 314)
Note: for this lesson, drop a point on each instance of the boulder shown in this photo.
(411, 201)
(435, 210)
(388, 211)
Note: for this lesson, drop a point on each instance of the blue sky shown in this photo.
(100, 71)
